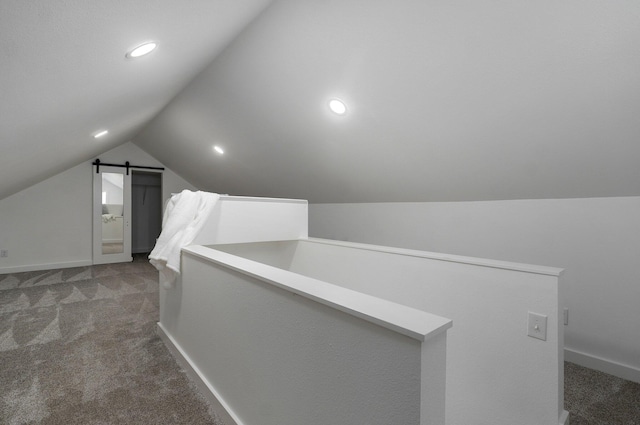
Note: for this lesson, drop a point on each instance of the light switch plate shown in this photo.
(537, 326)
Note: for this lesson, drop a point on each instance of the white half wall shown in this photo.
(278, 348)
(596, 240)
(488, 350)
(48, 225)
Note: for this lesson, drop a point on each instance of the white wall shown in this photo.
(488, 350)
(283, 358)
(48, 225)
(597, 241)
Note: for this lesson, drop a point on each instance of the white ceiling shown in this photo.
(64, 75)
(461, 100)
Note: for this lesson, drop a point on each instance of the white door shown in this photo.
(111, 215)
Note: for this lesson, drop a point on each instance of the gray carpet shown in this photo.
(596, 398)
(79, 346)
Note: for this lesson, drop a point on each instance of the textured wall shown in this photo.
(488, 350)
(277, 358)
(595, 240)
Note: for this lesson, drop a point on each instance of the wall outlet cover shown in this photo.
(537, 327)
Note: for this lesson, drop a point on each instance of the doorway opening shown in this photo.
(146, 210)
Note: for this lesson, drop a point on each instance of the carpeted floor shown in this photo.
(596, 398)
(79, 346)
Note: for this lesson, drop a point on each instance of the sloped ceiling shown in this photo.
(463, 100)
(64, 75)
(447, 100)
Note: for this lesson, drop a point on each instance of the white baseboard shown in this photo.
(620, 370)
(204, 386)
(50, 266)
(564, 418)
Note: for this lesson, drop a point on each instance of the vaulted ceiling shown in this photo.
(463, 100)
(64, 74)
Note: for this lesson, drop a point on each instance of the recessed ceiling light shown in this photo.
(337, 106)
(142, 49)
(100, 133)
(218, 149)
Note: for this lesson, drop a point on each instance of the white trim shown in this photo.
(39, 267)
(99, 257)
(620, 370)
(411, 322)
(255, 199)
(564, 418)
(204, 386)
(506, 265)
